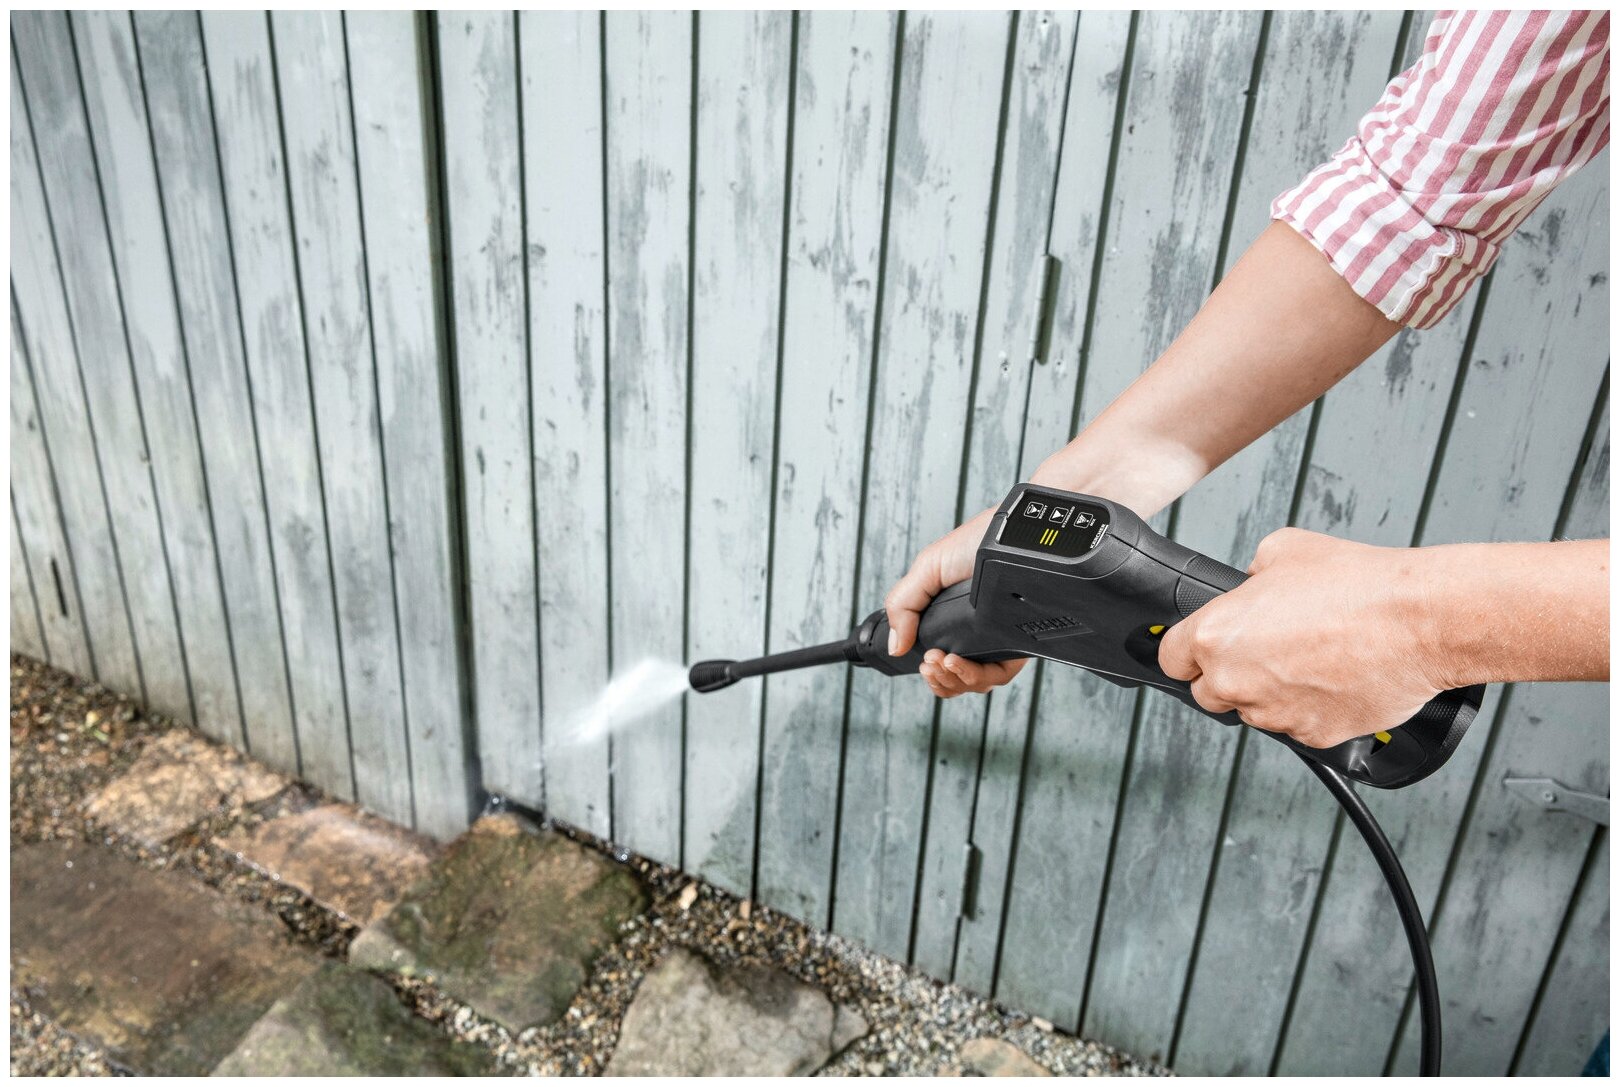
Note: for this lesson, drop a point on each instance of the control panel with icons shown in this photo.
(1053, 526)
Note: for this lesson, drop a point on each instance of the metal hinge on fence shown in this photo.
(1045, 273)
(970, 882)
(1553, 795)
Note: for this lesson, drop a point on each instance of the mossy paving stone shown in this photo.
(348, 860)
(164, 974)
(691, 1017)
(508, 921)
(345, 1022)
(180, 779)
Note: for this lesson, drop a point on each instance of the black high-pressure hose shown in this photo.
(1417, 937)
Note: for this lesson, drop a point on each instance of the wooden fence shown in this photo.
(382, 384)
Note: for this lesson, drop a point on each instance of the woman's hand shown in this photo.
(941, 564)
(1327, 640)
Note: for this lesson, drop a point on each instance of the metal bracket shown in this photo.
(970, 882)
(1045, 267)
(1552, 795)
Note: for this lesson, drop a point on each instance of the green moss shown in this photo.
(509, 921)
(344, 1021)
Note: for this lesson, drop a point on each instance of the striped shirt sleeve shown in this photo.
(1462, 146)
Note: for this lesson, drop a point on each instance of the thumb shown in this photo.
(905, 603)
(1176, 651)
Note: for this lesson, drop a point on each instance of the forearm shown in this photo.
(1504, 612)
(1280, 330)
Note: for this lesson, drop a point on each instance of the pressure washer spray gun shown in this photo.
(1084, 581)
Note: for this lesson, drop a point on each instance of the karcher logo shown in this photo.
(1049, 537)
(1057, 627)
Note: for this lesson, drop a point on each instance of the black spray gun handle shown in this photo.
(952, 623)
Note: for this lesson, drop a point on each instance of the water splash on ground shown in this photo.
(631, 695)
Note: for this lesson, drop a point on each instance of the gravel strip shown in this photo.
(68, 738)
(916, 1022)
(41, 1048)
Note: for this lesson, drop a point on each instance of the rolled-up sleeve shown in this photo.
(1500, 108)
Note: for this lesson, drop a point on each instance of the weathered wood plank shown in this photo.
(649, 189)
(840, 136)
(484, 208)
(1048, 877)
(744, 61)
(561, 61)
(312, 83)
(27, 630)
(1538, 355)
(1574, 1012)
(246, 368)
(64, 641)
(1042, 51)
(1497, 924)
(952, 80)
(400, 223)
(1170, 192)
(116, 108)
(48, 69)
(1320, 72)
(40, 322)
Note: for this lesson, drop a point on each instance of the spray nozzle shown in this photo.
(709, 676)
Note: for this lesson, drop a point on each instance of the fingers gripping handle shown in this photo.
(1388, 760)
(947, 624)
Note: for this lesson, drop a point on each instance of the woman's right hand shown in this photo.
(938, 566)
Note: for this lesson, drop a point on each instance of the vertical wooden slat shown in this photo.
(1497, 925)
(233, 399)
(396, 166)
(27, 630)
(484, 208)
(840, 139)
(1536, 356)
(48, 70)
(64, 640)
(40, 321)
(742, 118)
(1040, 74)
(561, 56)
(312, 82)
(1320, 72)
(649, 179)
(952, 79)
(1040, 882)
(1574, 1012)
(1171, 192)
(129, 189)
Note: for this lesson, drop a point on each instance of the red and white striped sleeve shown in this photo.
(1463, 145)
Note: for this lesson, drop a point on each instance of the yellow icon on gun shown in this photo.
(1049, 537)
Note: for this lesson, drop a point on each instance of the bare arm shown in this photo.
(1280, 329)
(1331, 639)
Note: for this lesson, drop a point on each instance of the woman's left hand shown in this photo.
(1326, 641)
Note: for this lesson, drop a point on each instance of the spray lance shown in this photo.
(1084, 581)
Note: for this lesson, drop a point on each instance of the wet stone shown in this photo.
(345, 1022)
(164, 974)
(508, 921)
(992, 1057)
(178, 781)
(347, 860)
(693, 1018)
